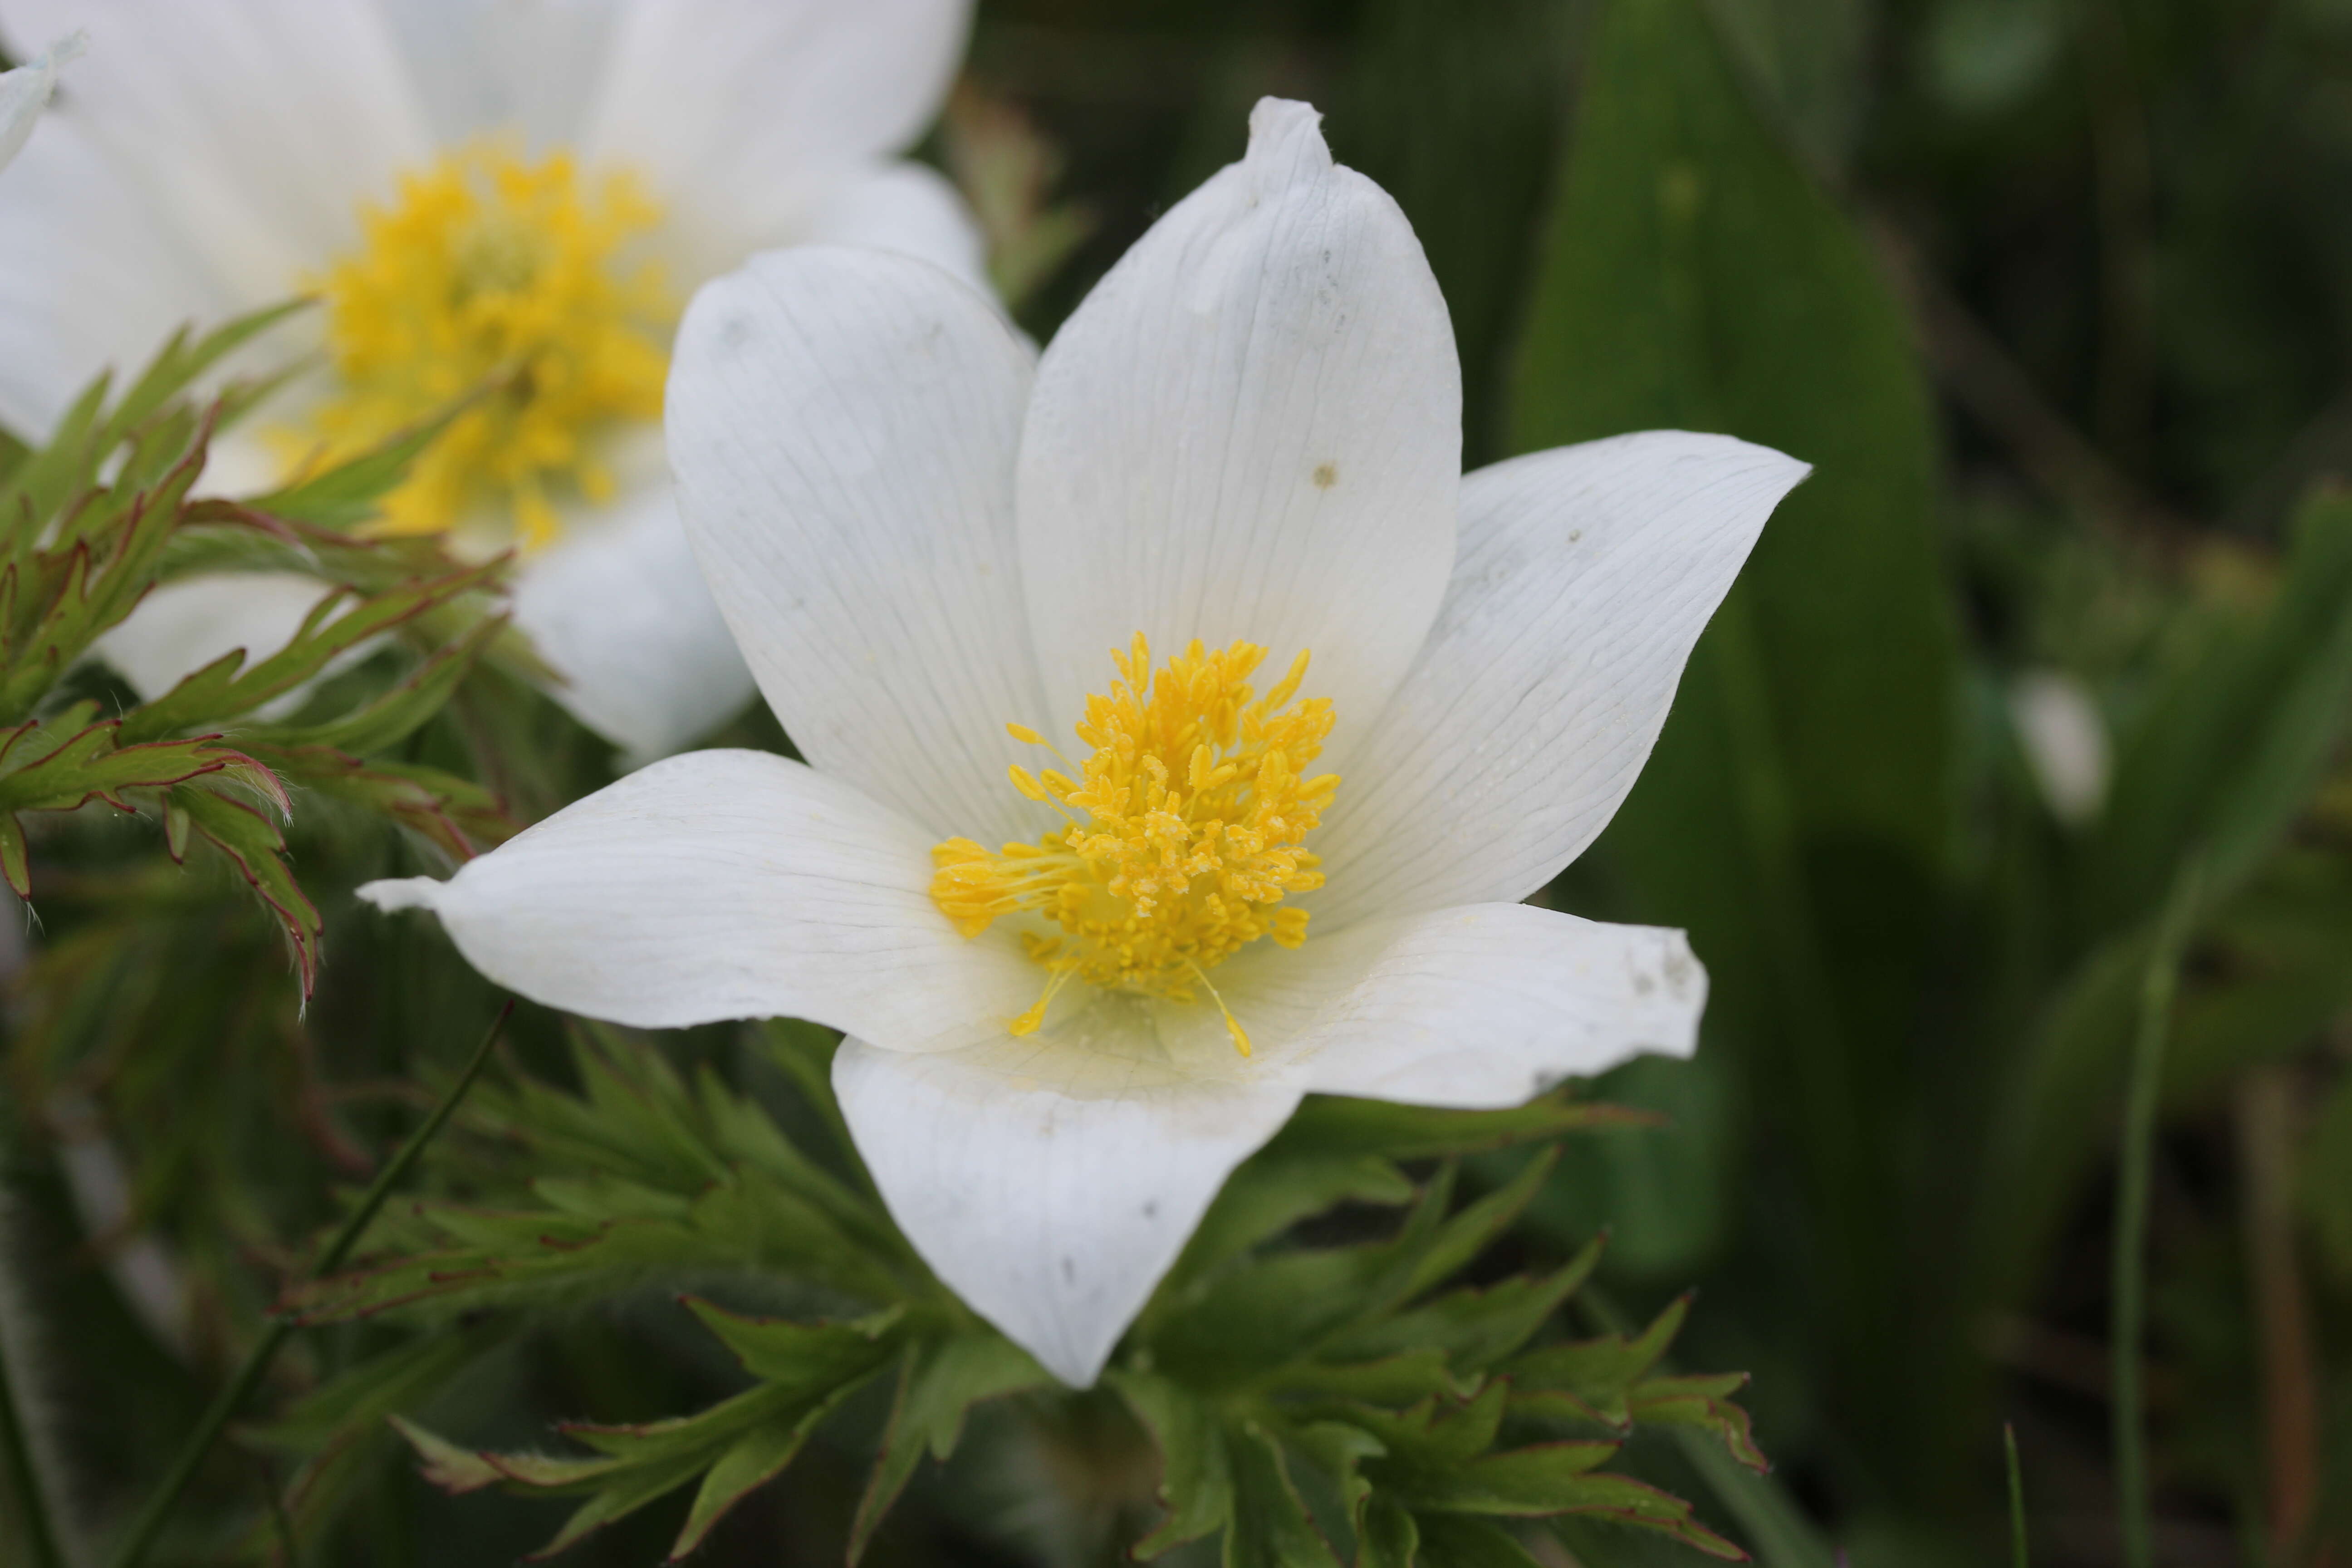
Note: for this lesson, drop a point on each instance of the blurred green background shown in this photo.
(2055, 295)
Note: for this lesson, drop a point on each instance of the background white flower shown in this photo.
(920, 531)
(217, 155)
(25, 93)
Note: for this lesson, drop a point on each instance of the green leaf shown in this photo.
(1471, 1329)
(1274, 1191)
(350, 492)
(1326, 1125)
(257, 848)
(757, 1459)
(1459, 1542)
(787, 1354)
(1270, 1526)
(2226, 757)
(1388, 1537)
(1595, 1379)
(223, 690)
(938, 1383)
(1196, 1476)
(1705, 1403)
(1797, 816)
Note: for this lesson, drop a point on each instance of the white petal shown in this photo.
(258, 125)
(742, 114)
(1586, 574)
(843, 426)
(1252, 428)
(89, 277)
(1479, 1006)
(180, 627)
(727, 885)
(909, 209)
(618, 607)
(25, 93)
(528, 66)
(1049, 1181)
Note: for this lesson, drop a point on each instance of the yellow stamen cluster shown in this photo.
(1182, 832)
(503, 279)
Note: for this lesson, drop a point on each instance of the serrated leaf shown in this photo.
(377, 1389)
(1471, 1329)
(799, 1356)
(256, 848)
(1704, 1402)
(397, 714)
(1196, 1480)
(1406, 1378)
(1548, 1478)
(224, 688)
(350, 492)
(1597, 1375)
(938, 1383)
(1274, 1191)
(454, 1469)
(1270, 1526)
(1436, 1435)
(1389, 1537)
(756, 1460)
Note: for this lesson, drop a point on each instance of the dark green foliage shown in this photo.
(102, 512)
(1366, 1363)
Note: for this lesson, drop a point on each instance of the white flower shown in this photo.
(2065, 742)
(25, 93)
(920, 531)
(472, 185)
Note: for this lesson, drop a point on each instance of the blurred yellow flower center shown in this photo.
(1182, 832)
(505, 281)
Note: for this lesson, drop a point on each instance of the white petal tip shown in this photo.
(1286, 139)
(71, 47)
(403, 893)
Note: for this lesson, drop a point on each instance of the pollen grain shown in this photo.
(1182, 832)
(506, 282)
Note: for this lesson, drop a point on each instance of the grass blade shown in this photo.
(2158, 983)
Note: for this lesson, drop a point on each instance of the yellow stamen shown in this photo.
(504, 279)
(1195, 816)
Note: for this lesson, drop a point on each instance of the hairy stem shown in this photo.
(23, 1480)
(140, 1536)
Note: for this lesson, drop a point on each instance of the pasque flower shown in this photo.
(25, 93)
(1182, 726)
(505, 197)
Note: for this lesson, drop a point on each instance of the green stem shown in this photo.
(2158, 983)
(140, 1536)
(2016, 1499)
(24, 1481)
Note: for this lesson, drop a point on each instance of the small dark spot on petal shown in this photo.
(1070, 1271)
(1325, 475)
(1151, 1209)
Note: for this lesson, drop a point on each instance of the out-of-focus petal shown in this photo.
(843, 426)
(744, 114)
(618, 607)
(255, 125)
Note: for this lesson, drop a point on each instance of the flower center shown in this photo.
(505, 281)
(1182, 835)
